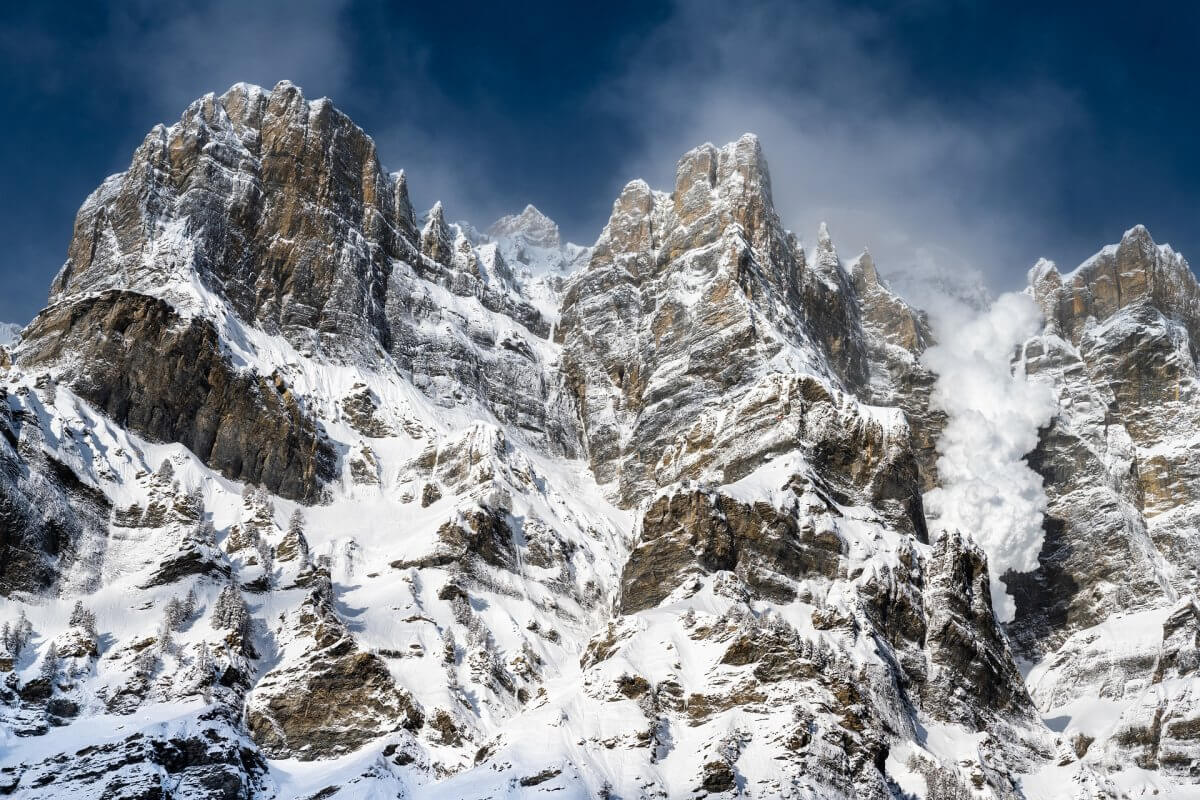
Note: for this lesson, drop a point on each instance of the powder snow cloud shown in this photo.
(987, 489)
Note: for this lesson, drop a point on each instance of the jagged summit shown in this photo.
(1133, 272)
(535, 227)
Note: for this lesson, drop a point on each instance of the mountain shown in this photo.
(305, 495)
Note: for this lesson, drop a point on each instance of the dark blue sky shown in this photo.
(958, 135)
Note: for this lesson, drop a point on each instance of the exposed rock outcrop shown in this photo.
(655, 506)
(168, 379)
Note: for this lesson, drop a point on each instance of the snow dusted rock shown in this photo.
(448, 514)
(973, 673)
(50, 519)
(328, 697)
(193, 759)
(135, 358)
(532, 225)
(1120, 458)
(1109, 615)
(896, 335)
(690, 300)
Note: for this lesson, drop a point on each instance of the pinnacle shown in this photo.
(823, 238)
(1040, 270)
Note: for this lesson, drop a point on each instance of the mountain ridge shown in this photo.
(363, 505)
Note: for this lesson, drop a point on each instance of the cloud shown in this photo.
(987, 489)
(851, 136)
(174, 54)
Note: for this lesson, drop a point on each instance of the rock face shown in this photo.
(1120, 458)
(289, 474)
(334, 697)
(276, 204)
(136, 359)
(48, 516)
(697, 295)
(1109, 611)
(896, 335)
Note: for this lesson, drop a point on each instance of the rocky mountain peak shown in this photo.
(826, 256)
(399, 500)
(436, 240)
(715, 186)
(863, 269)
(248, 195)
(9, 333)
(532, 225)
(405, 217)
(1133, 272)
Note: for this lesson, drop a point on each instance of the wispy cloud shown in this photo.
(174, 54)
(851, 137)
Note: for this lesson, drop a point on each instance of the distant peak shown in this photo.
(531, 224)
(10, 332)
(1138, 231)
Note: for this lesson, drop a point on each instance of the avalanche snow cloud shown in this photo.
(995, 411)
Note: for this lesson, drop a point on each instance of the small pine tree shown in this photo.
(146, 662)
(266, 557)
(230, 612)
(294, 546)
(83, 618)
(17, 637)
(166, 470)
(172, 614)
(177, 613)
(204, 663)
(50, 663)
(24, 630)
(205, 533)
(166, 640)
(195, 502)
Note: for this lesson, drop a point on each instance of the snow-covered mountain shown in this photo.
(302, 495)
(9, 333)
